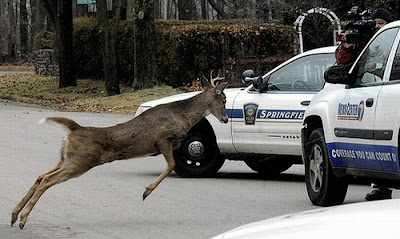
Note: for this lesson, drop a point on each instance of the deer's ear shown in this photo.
(220, 87)
(205, 83)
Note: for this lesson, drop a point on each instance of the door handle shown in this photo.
(369, 102)
(305, 103)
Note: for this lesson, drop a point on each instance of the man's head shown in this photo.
(381, 17)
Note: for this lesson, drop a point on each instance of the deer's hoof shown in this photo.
(146, 193)
(21, 226)
(148, 190)
(145, 196)
(12, 222)
(13, 219)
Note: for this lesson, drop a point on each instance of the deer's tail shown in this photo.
(69, 124)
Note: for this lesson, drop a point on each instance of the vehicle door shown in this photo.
(269, 121)
(387, 117)
(354, 108)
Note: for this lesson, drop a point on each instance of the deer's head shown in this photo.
(216, 97)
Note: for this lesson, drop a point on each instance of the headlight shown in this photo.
(141, 109)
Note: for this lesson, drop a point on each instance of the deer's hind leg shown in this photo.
(58, 176)
(28, 195)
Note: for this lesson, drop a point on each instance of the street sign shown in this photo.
(86, 2)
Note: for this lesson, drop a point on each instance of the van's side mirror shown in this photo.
(338, 74)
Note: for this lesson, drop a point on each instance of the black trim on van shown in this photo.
(364, 133)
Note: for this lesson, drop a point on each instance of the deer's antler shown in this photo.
(215, 81)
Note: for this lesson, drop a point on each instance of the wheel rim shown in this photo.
(196, 151)
(316, 168)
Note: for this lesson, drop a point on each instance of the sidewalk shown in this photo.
(4, 73)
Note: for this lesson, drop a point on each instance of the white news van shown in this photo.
(351, 127)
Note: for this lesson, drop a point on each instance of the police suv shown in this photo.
(351, 128)
(265, 119)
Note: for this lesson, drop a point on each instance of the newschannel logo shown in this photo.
(349, 111)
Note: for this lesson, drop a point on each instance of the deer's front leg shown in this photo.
(165, 148)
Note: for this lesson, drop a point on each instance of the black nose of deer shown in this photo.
(224, 120)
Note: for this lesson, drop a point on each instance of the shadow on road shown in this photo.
(283, 177)
(288, 177)
(234, 176)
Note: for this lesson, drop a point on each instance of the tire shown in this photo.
(198, 156)
(270, 166)
(323, 187)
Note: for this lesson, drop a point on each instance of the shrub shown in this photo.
(194, 48)
(186, 50)
(88, 48)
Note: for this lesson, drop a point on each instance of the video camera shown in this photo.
(361, 28)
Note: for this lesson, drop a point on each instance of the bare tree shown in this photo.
(29, 26)
(39, 23)
(108, 21)
(23, 29)
(6, 18)
(17, 33)
(144, 44)
(187, 9)
(203, 9)
(60, 12)
(9, 31)
(219, 9)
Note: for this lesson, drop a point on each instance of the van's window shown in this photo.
(372, 63)
(395, 72)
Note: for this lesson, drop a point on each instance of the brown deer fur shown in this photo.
(157, 130)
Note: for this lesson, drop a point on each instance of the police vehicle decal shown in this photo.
(349, 111)
(366, 156)
(281, 114)
(248, 111)
(234, 113)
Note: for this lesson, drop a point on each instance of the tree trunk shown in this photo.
(60, 13)
(129, 7)
(12, 37)
(65, 47)
(144, 45)
(39, 22)
(186, 9)
(23, 29)
(110, 60)
(108, 22)
(5, 29)
(221, 13)
(269, 10)
(204, 10)
(17, 49)
(172, 9)
(164, 11)
(29, 27)
(157, 9)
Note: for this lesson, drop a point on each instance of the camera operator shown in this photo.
(347, 53)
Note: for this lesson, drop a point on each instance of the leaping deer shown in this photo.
(157, 130)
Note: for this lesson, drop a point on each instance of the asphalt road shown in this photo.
(106, 202)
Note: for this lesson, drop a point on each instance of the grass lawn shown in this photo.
(89, 95)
